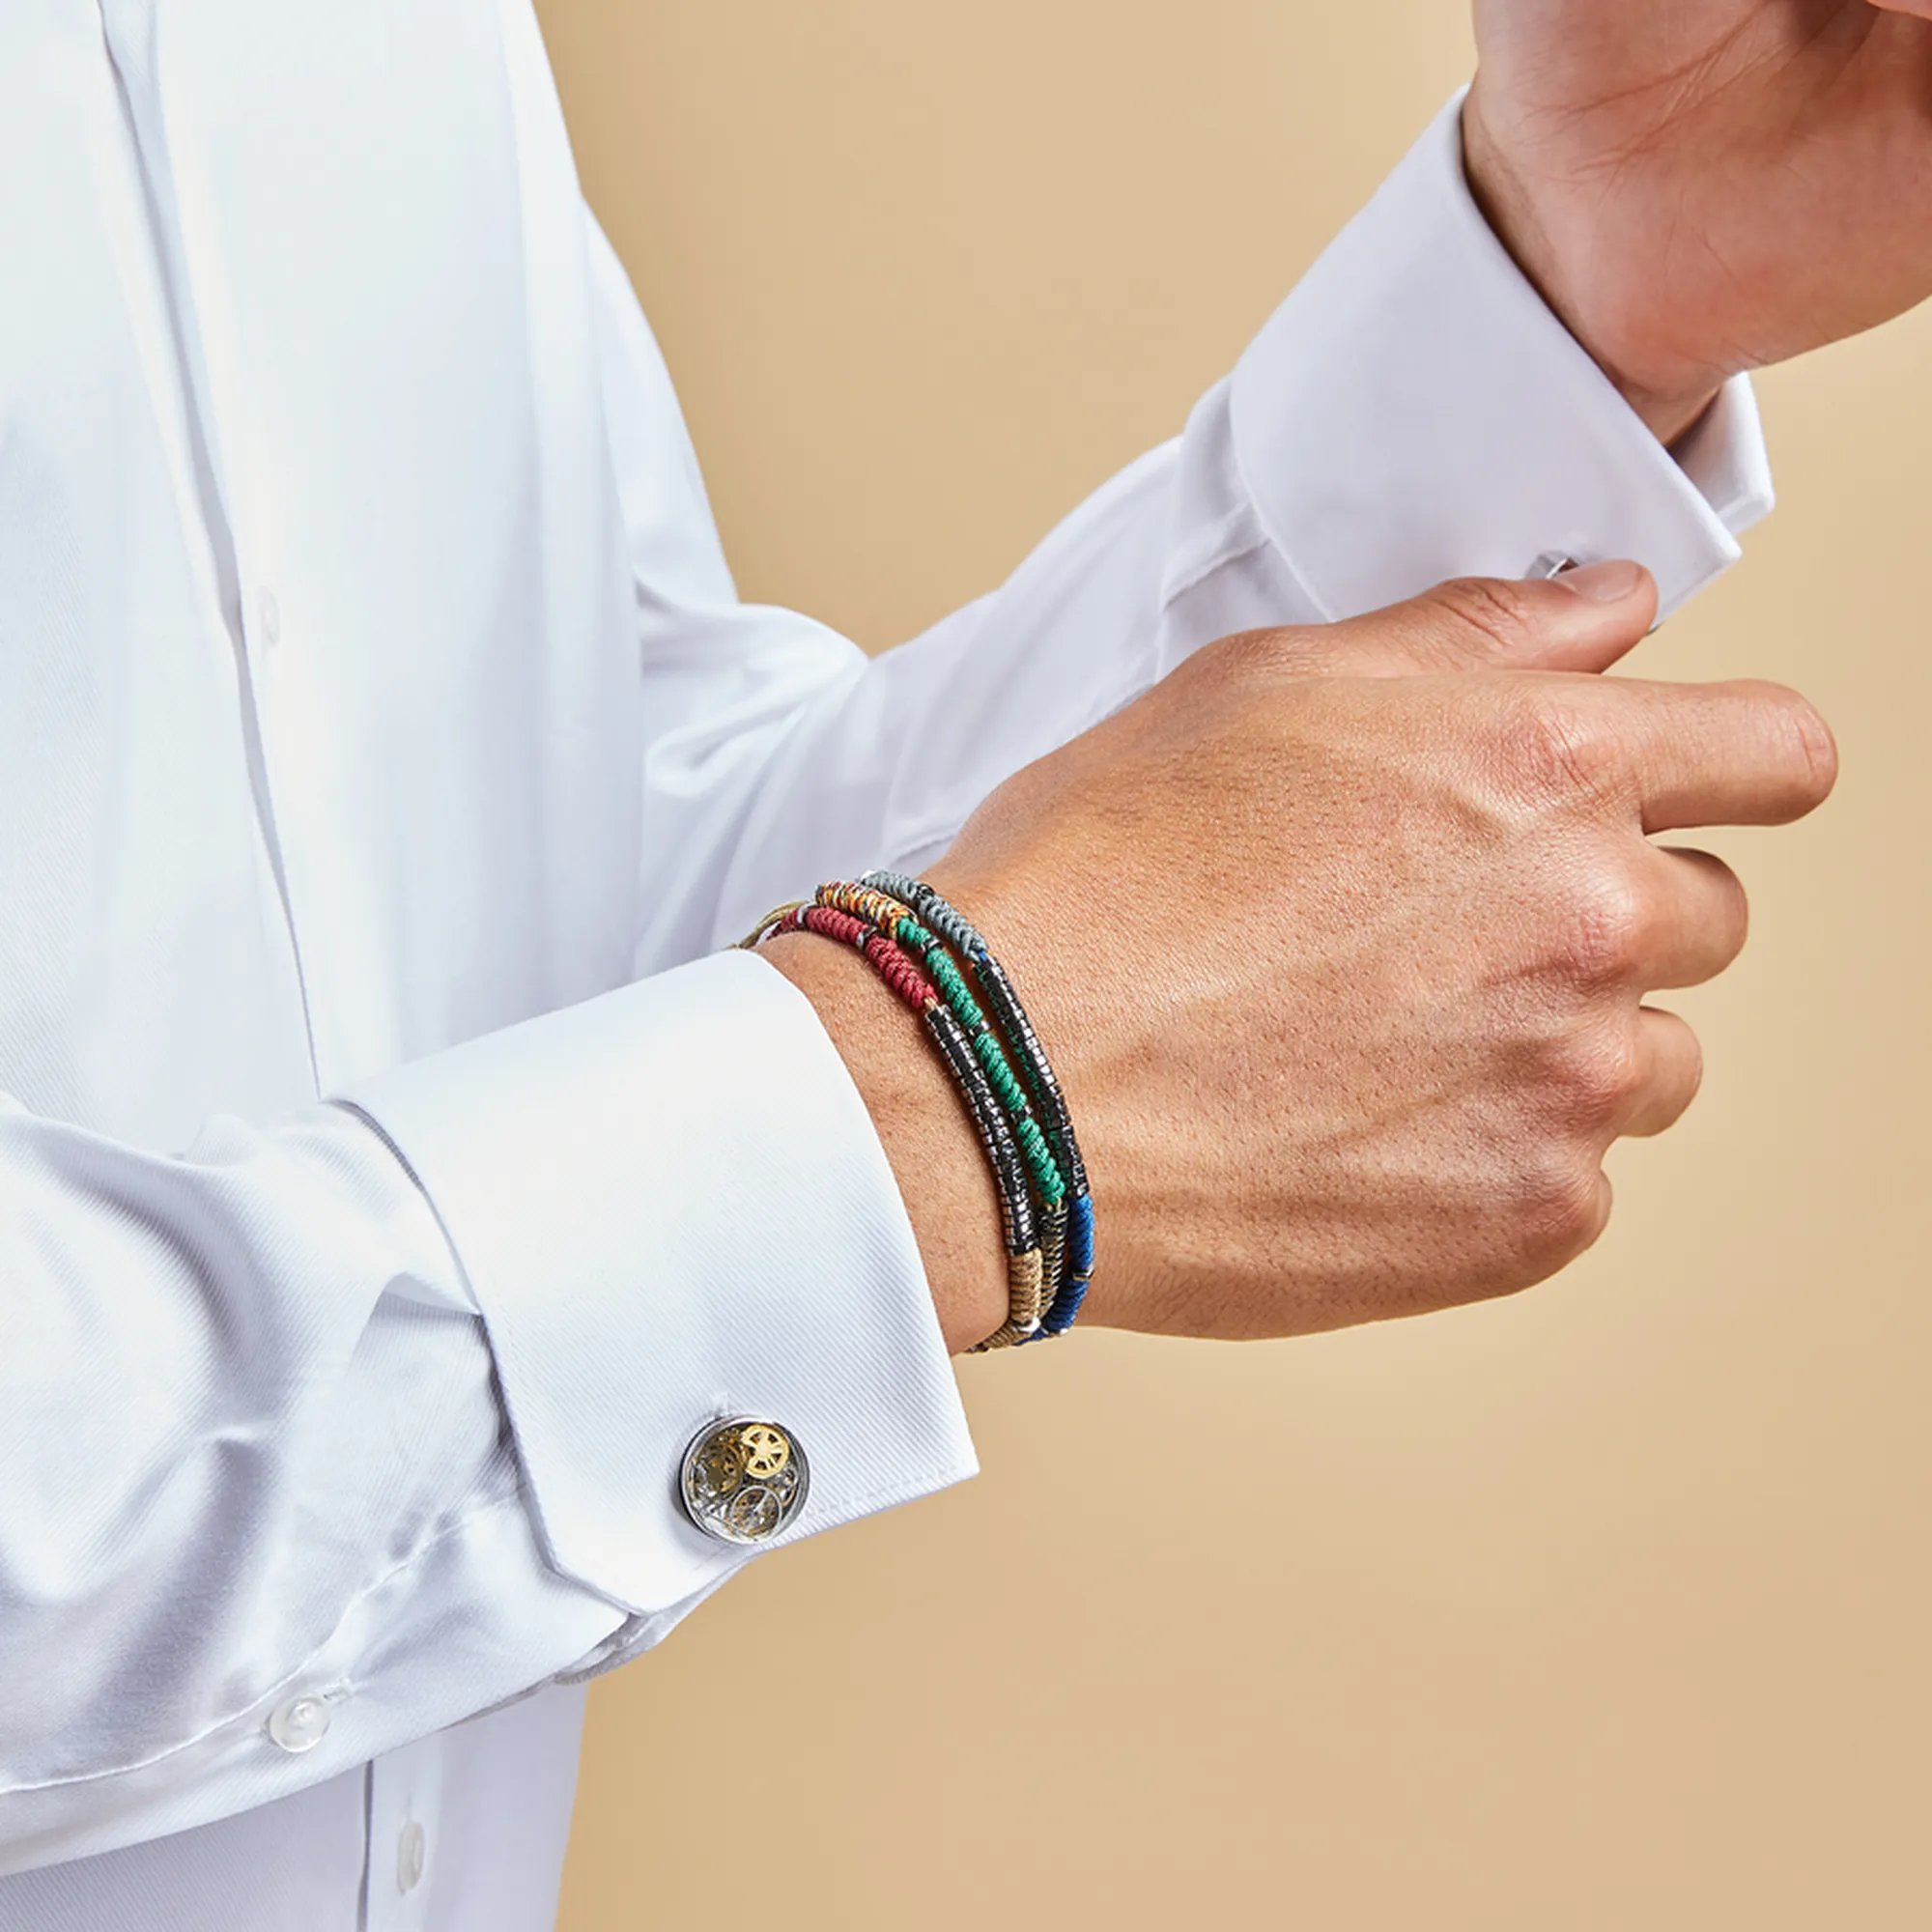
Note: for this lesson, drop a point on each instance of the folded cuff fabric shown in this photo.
(671, 1205)
(1416, 357)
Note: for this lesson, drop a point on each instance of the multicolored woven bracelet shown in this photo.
(895, 920)
(998, 994)
(1028, 1287)
(935, 960)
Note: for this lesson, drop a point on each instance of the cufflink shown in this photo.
(743, 1479)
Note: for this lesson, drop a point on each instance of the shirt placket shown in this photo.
(404, 1836)
(229, 475)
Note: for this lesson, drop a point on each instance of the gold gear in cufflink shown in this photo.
(743, 1479)
(767, 1451)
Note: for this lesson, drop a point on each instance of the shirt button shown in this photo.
(744, 1480)
(411, 1849)
(270, 614)
(298, 1724)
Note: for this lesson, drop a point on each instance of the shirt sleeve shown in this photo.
(385, 1430)
(292, 1532)
(672, 1207)
(1412, 412)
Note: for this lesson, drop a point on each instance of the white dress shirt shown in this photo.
(390, 1179)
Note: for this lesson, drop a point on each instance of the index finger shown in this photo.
(1740, 753)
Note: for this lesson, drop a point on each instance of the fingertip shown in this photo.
(1807, 747)
(1821, 750)
(1614, 580)
(1609, 608)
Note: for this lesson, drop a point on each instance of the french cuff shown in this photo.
(671, 1208)
(1415, 411)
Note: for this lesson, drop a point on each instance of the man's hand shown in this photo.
(1339, 939)
(1704, 186)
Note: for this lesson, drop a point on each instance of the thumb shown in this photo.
(1583, 620)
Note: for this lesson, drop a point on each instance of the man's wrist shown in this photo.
(935, 1158)
(1669, 408)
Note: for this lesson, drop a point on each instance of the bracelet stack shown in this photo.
(934, 960)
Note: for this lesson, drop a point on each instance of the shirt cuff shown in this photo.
(671, 1205)
(1415, 411)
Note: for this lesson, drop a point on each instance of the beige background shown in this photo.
(1606, 1608)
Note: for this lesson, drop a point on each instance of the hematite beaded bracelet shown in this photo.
(1028, 1286)
(998, 992)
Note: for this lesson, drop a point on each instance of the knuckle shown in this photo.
(1553, 748)
(1602, 933)
(1559, 1210)
(1488, 616)
(1281, 650)
(1600, 1076)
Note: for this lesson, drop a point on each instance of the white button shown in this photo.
(411, 1848)
(271, 618)
(299, 1724)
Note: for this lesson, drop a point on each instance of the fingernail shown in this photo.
(1602, 582)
